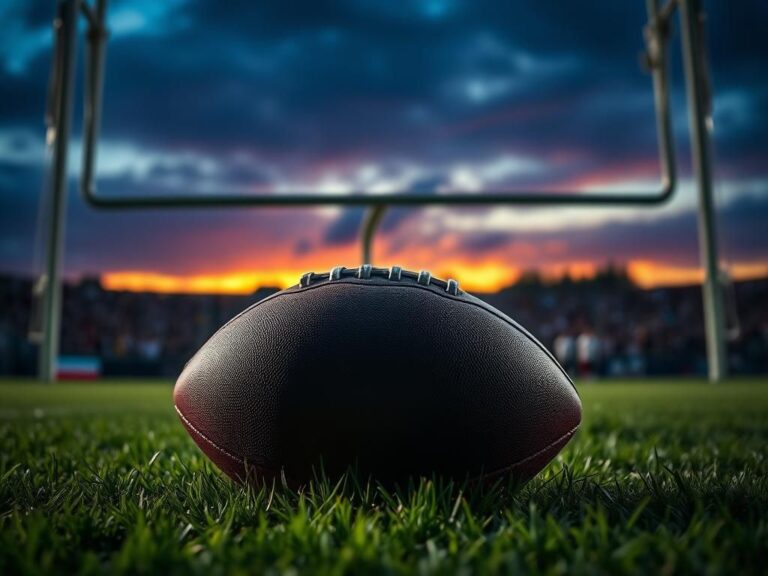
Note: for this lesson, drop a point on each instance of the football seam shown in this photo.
(461, 299)
(536, 454)
(270, 469)
(206, 439)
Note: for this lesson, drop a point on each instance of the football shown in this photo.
(393, 373)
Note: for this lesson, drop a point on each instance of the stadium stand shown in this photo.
(623, 330)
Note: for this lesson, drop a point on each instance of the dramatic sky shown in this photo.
(382, 96)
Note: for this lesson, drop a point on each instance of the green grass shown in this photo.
(664, 477)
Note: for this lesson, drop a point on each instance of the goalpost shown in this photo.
(692, 21)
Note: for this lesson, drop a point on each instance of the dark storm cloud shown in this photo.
(346, 228)
(742, 229)
(483, 242)
(421, 79)
(336, 78)
(672, 239)
(19, 188)
(189, 175)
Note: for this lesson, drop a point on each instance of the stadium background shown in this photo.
(570, 109)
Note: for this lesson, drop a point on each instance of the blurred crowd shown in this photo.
(133, 334)
(604, 326)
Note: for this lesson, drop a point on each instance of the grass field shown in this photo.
(664, 477)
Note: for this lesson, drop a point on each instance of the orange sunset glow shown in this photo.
(486, 277)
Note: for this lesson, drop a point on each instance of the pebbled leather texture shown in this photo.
(397, 378)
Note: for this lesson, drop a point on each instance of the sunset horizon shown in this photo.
(489, 278)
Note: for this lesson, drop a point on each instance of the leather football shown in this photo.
(393, 373)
